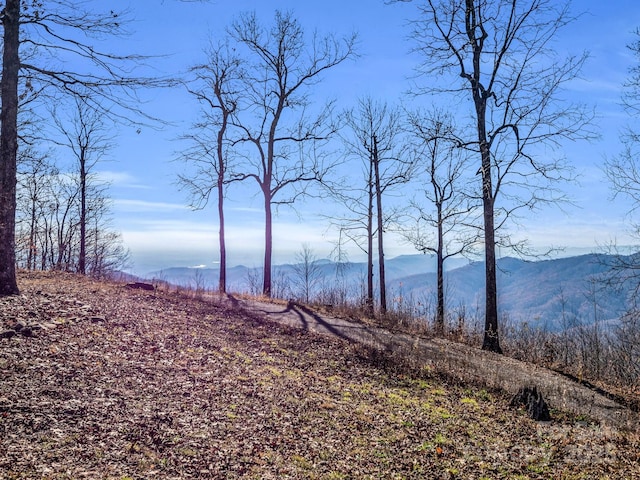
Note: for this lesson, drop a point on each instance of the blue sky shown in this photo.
(161, 231)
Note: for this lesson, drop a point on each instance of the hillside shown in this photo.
(552, 294)
(124, 384)
(326, 272)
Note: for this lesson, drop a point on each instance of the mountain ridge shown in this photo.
(551, 293)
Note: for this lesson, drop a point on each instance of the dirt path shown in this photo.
(461, 361)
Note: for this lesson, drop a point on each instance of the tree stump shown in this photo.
(532, 400)
(141, 286)
(7, 334)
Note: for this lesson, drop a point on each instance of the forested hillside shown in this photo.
(551, 294)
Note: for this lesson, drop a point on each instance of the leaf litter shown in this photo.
(122, 384)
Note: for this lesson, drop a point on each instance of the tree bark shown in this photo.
(369, 299)
(32, 255)
(383, 287)
(268, 244)
(222, 281)
(9, 146)
(82, 259)
(491, 340)
(440, 274)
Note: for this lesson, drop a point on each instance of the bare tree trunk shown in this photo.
(9, 146)
(82, 257)
(369, 299)
(222, 281)
(491, 341)
(268, 243)
(44, 244)
(383, 287)
(440, 275)
(480, 98)
(32, 255)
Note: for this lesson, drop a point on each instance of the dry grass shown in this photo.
(134, 385)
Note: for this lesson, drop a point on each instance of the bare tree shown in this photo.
(35, 173)
(86, 134)
(307, 271)
(105, 251)
(623, 173)
(355, 227)
(499, 55)
(276, 118)
(443, 164)
(373, 138)
(626, 338)
(64, 222)
(9, 145)
(216, 86)
(40, 42)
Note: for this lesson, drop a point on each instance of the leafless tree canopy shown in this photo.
(217, 85)
(279, 127)
(497, 57)
(373, 141)
(63, 51)
(623, 173)
(53, 51)
(500, 54)
(442, 215)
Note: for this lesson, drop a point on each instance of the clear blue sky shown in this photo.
(151, 211)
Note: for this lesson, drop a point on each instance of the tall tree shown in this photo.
(356, 225)
(443, 164)
(277, 118)
(41, 41)
(86, 134)
(9, 145)
(623, 173)
(35, 175)
(216, 86)
(373, 138)
(499, 56)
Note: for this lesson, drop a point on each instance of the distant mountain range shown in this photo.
(241, 278)
(553, 293)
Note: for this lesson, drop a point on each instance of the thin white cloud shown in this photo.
(252, 210)
(121, 179)
(138, 206)
(603, 87)
(580, 231)
(193, 243)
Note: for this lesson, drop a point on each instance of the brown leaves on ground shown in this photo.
(123, 384)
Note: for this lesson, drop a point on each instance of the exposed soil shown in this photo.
(112, 383)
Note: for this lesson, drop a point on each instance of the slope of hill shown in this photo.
(553, 294)
(131, 384)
